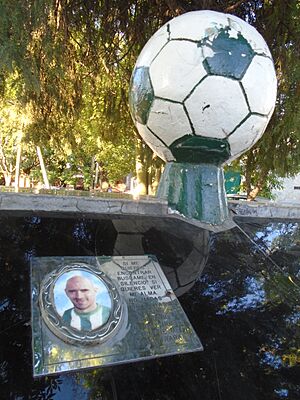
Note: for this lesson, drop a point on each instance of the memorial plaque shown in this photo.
(97, 311)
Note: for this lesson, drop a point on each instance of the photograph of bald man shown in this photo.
(86, 315)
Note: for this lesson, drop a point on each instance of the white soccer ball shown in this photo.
(203, 88)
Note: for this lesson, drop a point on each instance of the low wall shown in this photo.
(89, 207)
(264, 210)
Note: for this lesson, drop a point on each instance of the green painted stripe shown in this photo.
(195, 191)
(264, 56)
(194, 88)
(200, 149)
(259, 114)
(241, 123)
(184, 40)
(190, 121)
(238, 125)
(169, 31)
(231, 78)
(159, 52)
(157, 137)
(199, 196)
(206, 65)
(245, 96)
(167, 99)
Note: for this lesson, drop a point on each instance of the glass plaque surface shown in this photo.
(96, 311)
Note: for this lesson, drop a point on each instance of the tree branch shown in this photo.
(3, 163)
(233, 6)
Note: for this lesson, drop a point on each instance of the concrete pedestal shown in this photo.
(195, 191)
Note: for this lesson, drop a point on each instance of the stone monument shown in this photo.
(202, 92)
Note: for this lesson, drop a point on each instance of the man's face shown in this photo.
(82, 293)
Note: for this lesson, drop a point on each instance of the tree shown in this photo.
(63, 53)
(277, 154)
(57, 53)
(14, 119)
(59, 48)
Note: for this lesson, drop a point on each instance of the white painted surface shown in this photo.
(177, 69)
(169, 121)
(260, 85)
(216, 107)
(152, 47)
(196, 25)
(155, 144)
(255, 39)
(247, 134)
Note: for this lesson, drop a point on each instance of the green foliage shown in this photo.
(14, 119)
(65, 66)
(69, 65)
(277, 154)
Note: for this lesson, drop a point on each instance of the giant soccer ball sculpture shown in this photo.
(202, 92)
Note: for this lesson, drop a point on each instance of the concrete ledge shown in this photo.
(89, 207)
(116, 208)
(265, 210)
(51, 204)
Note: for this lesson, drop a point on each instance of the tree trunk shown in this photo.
(141, 175)
(96, 173)
(156, 172)
(43, 169)
(248, 174)
(92, 170)
(253, 190)
(7, 178)
(143, 156)
(6, 170)
(18, 163)
(149, 168)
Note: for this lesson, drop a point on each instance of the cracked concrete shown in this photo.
(63, 205)
(265, 210)
(119, 208)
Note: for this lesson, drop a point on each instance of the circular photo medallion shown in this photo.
(80, 304)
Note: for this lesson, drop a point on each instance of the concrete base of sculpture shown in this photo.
(119, 226)
(94, 207)
(112, 227)
(195, 191)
